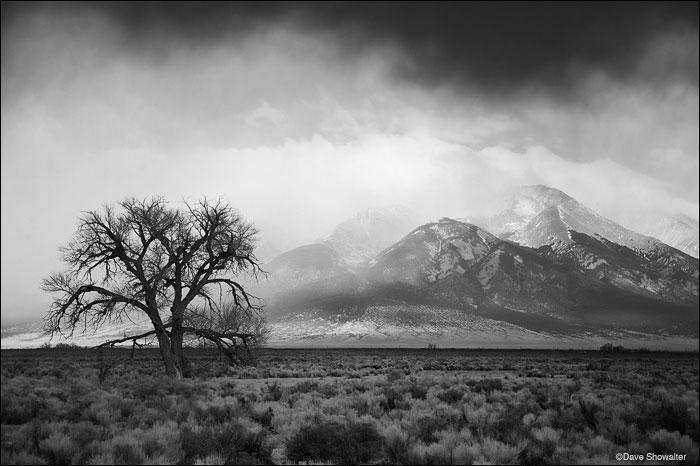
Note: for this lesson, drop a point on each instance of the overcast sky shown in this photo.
(301, 115)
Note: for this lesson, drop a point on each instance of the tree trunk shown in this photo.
(176, 337)
(172, 368)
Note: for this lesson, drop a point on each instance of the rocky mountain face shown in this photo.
(549, 264)
(459, 264)
(599, 247)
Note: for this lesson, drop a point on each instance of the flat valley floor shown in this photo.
(358, 406)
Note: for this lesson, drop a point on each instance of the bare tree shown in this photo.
(173, 265)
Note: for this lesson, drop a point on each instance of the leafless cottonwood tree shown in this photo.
(173, 265)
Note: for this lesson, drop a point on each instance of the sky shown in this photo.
(302, 114)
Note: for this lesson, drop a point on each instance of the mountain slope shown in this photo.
(562, 288)
(537, 216)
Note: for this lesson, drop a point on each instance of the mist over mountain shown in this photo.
(519, 207)
(337, 255)
(364, 235)
(538, 215)
(266, 251)
(677, 230)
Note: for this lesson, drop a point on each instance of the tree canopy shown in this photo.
(179, 267)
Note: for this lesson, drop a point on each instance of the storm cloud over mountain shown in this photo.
(302, 114)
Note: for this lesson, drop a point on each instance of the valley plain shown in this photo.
(341, 406)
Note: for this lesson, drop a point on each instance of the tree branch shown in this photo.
(122, 340)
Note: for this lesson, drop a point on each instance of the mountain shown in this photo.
(459, 264)
(450, 271)
(538, 216)
(519, 207)
(677, 230)
(314, 266)
(330, 265)
(545, 264)
(305, 264)
(364, 235)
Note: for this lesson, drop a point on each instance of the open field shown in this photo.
(394, 406)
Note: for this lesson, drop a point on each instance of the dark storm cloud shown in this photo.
(500, 48)
(510, 46)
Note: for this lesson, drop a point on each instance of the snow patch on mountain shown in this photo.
(399, 322)
(418, 326)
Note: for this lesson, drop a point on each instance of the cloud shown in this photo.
(299, 128)
(499, 50)
(606, 186)
(265, 114)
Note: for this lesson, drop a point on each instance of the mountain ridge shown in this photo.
(552, 270)
(558, 274)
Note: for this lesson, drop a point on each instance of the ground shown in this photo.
(374, 406)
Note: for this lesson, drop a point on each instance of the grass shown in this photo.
(60, 406)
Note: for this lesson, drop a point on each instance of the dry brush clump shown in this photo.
(376, 407)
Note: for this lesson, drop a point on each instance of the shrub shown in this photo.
(228, 439)
(20, 410)
(589, 409)
(465, 454)
(619, 432)
(541, 447)
(485, 385)
(392, 399)
(671, 415)
(451, 395)
(509, 427)
(58, 448)
(429, 454)
(497, 452)
(396, 444)
(329, 441)
(418, 392)
(665, 442)
(127, 451)
(425, 427)
(262, 417)
(274, 392)
(21, 458)
(306, 386)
